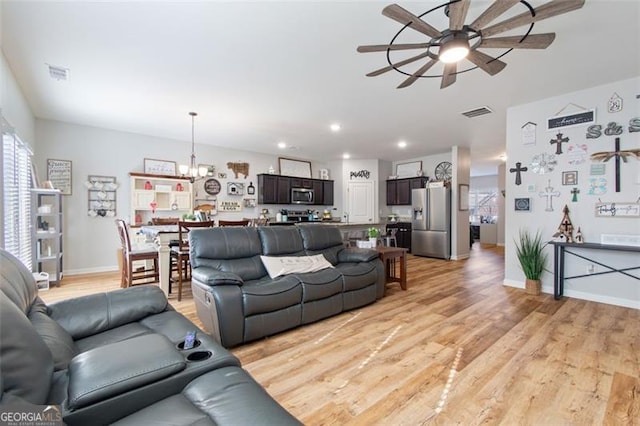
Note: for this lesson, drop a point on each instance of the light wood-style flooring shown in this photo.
(456, 348)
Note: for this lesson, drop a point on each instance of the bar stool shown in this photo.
(390, 240)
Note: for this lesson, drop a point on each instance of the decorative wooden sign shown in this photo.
(616, 155)
(571, 120)
(617, 209)
(59, 174)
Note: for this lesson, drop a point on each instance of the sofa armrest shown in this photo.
(211, 277)
(117, 368)
(89, 315)
(353, 255)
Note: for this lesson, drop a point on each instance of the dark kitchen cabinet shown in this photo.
(318, 192)
(276, 189)
(327, 192)
(399, 190)
(300, 183)
(273, 189)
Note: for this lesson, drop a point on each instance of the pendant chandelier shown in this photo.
(192, 170)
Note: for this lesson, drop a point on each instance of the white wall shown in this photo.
(459, 219)
(91, 242)
(501, 203)
(14, 106)
(610, 288)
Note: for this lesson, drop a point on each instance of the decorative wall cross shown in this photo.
(606, 156)
(549, 193)
(517, 171)
(575, 192)
(559, 140)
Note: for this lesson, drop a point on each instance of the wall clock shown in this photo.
(443, 171)
(543, 163)
(212, 186)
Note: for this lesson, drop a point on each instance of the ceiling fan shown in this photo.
(463, 41)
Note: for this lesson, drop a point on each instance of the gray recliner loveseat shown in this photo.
(238, 301)
(119, 358)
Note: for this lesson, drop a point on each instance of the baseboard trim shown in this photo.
(91, 270)
(460, 257)
(616, 301)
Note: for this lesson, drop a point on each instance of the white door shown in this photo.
(360, 202)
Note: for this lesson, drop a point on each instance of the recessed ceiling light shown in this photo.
(282, 145)
(335, 127)
(402, 144)
(346, 156)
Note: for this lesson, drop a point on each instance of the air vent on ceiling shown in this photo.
(477, 112)
(58, 73)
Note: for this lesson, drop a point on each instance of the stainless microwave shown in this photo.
(301, 196)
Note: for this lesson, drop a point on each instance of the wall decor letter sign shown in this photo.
(59, 174)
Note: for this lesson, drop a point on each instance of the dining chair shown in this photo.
(130, 254)
(233, 222)
(179, 256)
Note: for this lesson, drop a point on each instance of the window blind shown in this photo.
(16, 179)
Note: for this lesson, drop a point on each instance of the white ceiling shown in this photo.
(261, 72)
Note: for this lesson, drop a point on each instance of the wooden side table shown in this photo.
(389, 255)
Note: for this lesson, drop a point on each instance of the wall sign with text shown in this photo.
(571, 120)
(59, 174)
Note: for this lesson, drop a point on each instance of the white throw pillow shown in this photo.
(284, 265)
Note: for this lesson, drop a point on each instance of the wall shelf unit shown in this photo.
(159, 196)
(46, 233)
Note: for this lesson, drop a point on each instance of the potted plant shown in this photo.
(373, 234)
(532, 258)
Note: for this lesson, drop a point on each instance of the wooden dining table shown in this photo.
(162, 235)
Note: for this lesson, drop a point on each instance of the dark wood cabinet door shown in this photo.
(403, 196)
(267, 189)
(317, 187)
(283, 190)
(392, 189)
(296, 182)
(327, 192)
(420, 182)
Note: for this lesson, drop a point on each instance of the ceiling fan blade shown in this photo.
(416, 75)
(492, 12)
(385, 47)
(397, 64)
(547, 10)
(533, 41)
(489, 64)
(449, 75)
(405, 17)
(457, 14)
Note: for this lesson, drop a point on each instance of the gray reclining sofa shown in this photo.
(237, 300)
(118, 357)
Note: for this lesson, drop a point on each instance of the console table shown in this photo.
(561, 248)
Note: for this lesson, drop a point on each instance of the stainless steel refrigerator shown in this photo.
(431, 222)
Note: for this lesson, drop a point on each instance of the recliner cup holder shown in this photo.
(196, 343)
(199, 356)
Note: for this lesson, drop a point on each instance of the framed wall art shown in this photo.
(522, 204)
(59, 174)
(410, 169)
(159, 167)
(298, 168)
(570, 178)
(463, 197)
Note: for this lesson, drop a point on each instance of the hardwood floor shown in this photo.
(456, 348)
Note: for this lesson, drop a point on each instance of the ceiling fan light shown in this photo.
(454, 51)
